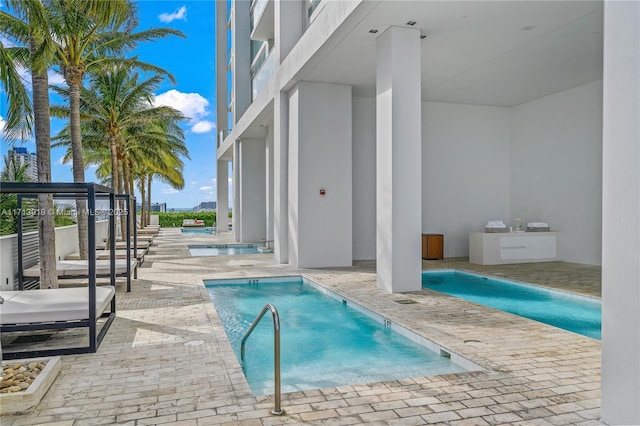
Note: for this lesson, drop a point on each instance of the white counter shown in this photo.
(512, 247)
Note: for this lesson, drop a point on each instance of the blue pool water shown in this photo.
(223, 249)
(324, 342)
(205, 230)
(575, 313)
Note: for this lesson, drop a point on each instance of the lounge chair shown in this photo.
(190, 223)
(106, 255)
(59, 308)
(80, 268)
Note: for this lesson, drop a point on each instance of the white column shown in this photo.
(398, 160)
(269, 182)
(221, 68)
(222, 200)
(621, 214)
(252, 191)
(241, 68)
(288, 19)
(320, 175)
(237, 211)
(281, 178)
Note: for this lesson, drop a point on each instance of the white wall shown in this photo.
(556, 168)
(621, 214)
(252, 196)
(8, 244)
(465, 171)
(320, 133)
(364, 178)
(66, 244)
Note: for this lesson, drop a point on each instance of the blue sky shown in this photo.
(191, 60)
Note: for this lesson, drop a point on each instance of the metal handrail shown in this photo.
(277, 411)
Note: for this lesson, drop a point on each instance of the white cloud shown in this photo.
(169, 190)
(214, 180)
(194, 182)
(60, 160)
(206, 188)
(3, 123)
(192, 105)
(230, 181)
(203, 126)
(211, 193)
(181, 13)
(55, 78)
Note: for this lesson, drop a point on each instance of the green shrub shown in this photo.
(174, 219)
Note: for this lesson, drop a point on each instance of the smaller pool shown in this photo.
(573, 312)
(207, 230)
(223, 249)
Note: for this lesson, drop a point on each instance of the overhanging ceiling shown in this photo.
(499, 53)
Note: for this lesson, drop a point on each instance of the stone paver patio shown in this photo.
(166, 358)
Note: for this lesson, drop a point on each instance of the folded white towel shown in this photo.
(496, 224)
(538, 225)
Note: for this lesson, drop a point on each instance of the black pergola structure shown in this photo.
(26, 282)
(90, 192)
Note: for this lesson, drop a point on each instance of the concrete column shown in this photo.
(252, 191)
(320, 175)
(240, 30)
(269, 182)
(222, 200)
(621, 215)
(281, 178)
(221, 67)
(237, 210)
(288, 22)
(398, 160)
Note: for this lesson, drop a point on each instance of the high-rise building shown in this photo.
(205, 206)
(355, 126)
(22, 156)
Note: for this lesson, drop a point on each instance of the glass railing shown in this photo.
(313, 5)
(257, 7)
(222, 135)
(262, 76)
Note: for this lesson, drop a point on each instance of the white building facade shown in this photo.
(355, 126)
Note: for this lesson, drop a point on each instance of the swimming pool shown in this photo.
(325, 341)
(579, 314)
(204, 230)
(223, 249)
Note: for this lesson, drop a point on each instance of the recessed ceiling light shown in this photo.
(528, 27)
(373, 31)
(411, 23)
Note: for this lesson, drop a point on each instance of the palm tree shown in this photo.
(29, 28)
(90, 35)
(118, 120)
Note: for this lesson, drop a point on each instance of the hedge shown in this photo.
(174, 219)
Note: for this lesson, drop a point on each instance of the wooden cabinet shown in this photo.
(432, 246)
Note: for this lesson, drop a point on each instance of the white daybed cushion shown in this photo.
(106, 254)
(56, 304)
(75, 268)
(120, 254)
(141, 245)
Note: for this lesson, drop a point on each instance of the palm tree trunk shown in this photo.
(149, 197)
(143, 202)
(78, 166)
(115, 183)
(46, 221)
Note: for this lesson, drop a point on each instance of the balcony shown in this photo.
(262, 20)
(222, 135)
(261, 72)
